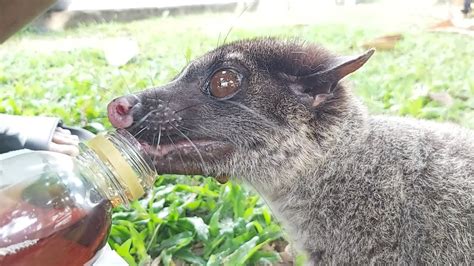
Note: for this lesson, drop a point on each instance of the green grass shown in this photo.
(196, 220)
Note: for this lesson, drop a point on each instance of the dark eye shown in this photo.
(225, 82)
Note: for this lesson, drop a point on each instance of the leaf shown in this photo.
(241, 255)
(124, 252)
(176, 240)
(166, 257)
(124, 216)
(190, 257)
(214, 223)
(248, 213)
(163, 214)
(137, 240)
(257, 247)
(257, 226)
(153, 236)
(202, 229)
(272, 232)
(217, 259)
(213, 261)
(196, 189)
(210, 247)
(193, 205)
(229, 226)
(239, 240)
(174, 212)
(237, 198)
(266, 215)
(252, 201)
(301, 260)
(238, 226)
(265, 258)
(161, 192)
(138, 208)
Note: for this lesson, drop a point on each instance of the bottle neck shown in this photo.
(117, 166)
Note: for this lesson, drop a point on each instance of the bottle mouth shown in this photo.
(128, 160)
(136, 156)
(140, 152)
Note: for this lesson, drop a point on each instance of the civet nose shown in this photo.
(119, 112)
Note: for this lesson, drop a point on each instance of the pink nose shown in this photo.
(119, 113)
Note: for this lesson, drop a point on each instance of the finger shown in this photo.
(64, 149)
(64, 131)
(59, 138)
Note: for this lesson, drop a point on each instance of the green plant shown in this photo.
(195, 220)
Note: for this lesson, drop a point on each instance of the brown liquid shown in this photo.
(40, 230)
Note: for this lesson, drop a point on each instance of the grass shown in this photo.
(194, 219)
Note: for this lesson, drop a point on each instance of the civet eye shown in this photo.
(224, 82)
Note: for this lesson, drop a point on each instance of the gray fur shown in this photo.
(392, 190)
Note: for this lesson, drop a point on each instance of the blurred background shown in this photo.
(71, 61)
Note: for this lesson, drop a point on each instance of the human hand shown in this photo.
(64, 142)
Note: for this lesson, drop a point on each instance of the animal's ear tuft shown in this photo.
(320, 85)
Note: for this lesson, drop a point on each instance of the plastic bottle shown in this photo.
(56, 209)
